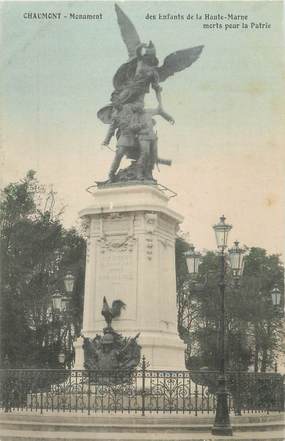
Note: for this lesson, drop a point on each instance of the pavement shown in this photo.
(162, 436)
(32, 426)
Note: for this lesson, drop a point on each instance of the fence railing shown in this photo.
(140, 391)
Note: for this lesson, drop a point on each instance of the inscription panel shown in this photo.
(114, 225)
(116, 274)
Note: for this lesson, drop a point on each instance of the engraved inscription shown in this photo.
(116, 266)
(121, 225)
(116, 274)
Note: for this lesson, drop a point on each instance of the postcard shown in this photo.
(128, 131)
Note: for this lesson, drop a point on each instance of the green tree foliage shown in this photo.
(184, 304)
(254, 326)
(36, 252)
(261, 273)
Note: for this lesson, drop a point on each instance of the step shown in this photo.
(132, 427)
(11, 435)
(125, 418)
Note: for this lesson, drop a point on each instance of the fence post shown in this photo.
(281, 389)
(282, 407)
(41, 400)
(143, 385)
(88, 393)
(237, 388)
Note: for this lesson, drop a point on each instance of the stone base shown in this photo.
(162, 352)
(79, 354)
(131, 257)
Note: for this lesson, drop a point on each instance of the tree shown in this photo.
(262, 272)
(254, 328)
(184, 299)
(36, 251)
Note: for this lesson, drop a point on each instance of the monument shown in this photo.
(130, 228)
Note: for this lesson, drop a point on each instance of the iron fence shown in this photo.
(140, 391)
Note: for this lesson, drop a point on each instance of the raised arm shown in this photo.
(161, 112)
(166, 116)
(156, 87)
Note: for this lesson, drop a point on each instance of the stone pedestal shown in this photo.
(131, 257)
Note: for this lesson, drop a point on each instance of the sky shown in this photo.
(227, 141)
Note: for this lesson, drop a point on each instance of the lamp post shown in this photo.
(61, 316)
(56, 315)
(68, 280)
(222, 425)
(276, 300)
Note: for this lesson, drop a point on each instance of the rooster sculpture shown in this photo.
(111, 351)
(110, 313)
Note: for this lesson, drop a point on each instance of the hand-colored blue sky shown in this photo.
(226, 144)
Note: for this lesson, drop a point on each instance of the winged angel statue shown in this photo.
(126, 115)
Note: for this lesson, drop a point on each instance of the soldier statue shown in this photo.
(136, 138)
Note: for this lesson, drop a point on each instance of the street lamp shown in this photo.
(57, 301)
(61, 358)
(276, 300)
(69, 282)
(222, 424)
(64, 303)
(60, 318)
(276, 296)
(236, 255)
(222, 231)
(193, 260)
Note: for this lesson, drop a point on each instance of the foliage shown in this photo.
(36, 252)
(184, 299)
(253, 325)
(262, 272)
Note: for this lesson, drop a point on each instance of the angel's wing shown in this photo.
(128, 32)
(178, 61)
(105, 114)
